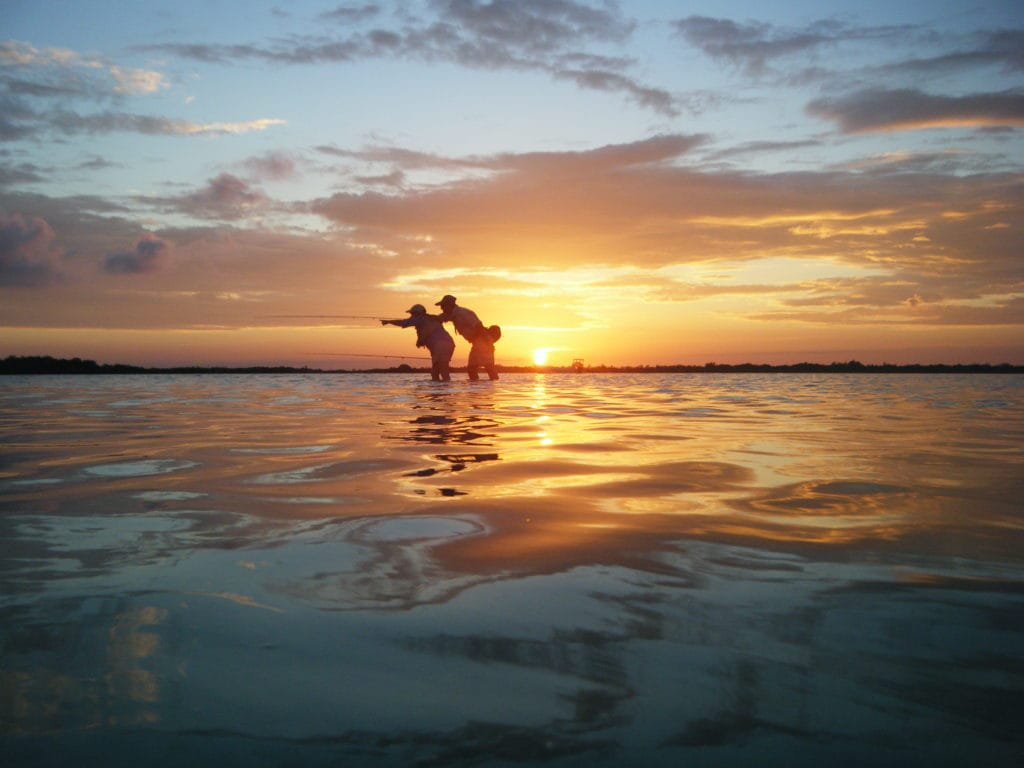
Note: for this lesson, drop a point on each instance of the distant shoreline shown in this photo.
(45, 365)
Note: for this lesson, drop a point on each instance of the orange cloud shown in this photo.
(595, 253)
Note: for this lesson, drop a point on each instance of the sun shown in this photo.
(540, 356)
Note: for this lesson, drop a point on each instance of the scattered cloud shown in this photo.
(45, 63)
(47, 89)
(549, 36)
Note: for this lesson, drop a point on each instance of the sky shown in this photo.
(626, 183)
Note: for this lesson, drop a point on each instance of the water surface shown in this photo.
(564, 570)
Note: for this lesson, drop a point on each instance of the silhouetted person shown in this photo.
(432, 335)
(468, 325)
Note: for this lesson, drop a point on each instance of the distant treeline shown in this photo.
(53, 365)
(852, 366)
(50, 365)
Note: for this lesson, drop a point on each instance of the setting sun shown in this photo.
(540, 356)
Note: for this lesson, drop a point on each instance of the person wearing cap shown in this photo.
(432, 335)
(468, 325)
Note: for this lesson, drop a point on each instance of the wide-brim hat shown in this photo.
(446, 299)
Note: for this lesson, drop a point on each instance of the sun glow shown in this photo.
(540, 357)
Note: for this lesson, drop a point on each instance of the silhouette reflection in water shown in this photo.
(447, 424)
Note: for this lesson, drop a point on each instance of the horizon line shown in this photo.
(46, 364)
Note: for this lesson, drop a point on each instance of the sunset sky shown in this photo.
(627, 183)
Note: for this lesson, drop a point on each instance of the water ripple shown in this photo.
(570, 568)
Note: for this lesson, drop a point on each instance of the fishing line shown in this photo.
(355, 354)
(320, 317)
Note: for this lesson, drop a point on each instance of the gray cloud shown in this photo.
(756, 48)
(944, 162)
(59, 88)
(109, 122)
(496, 34)
(19, 174)
(28, 253)
(910, 311)
(148, 254)
(1003, 49)
(97, 163)
(902, 109)
(757, 147)
(655, 99)
(351, 14)
(407, 158)
(647, 152)
(50, 90)
(393, 179)
(211, 53)
(537, 26)
(656, 149)
(224, 197)
(276, 166)
(1007, 45)
(19, 120)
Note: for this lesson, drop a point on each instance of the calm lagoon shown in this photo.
(559, 570)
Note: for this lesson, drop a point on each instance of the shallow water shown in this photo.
(564, 570)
